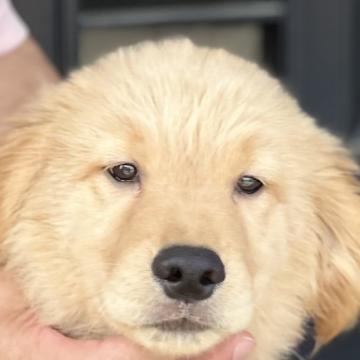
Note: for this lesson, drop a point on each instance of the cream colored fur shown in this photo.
(194, 120)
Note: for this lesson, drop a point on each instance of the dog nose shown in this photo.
(188, 273)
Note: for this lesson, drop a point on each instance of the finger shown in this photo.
(55, 346)
(243, 349)
(236, 348)
(11, 298)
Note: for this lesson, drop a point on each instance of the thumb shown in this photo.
(237, 347)
(55, 346)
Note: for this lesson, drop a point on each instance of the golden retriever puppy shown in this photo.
(176, 195)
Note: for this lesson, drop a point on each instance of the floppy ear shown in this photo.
(21, 160)
(337, 304)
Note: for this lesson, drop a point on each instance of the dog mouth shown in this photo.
(182, 325)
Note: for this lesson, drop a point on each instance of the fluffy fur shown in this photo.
(194, 120)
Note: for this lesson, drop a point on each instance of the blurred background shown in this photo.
(313, 46)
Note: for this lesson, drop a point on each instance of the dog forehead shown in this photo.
(213, 93)
(181, 102)
(176, 84)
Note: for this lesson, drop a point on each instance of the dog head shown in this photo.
(177, 195)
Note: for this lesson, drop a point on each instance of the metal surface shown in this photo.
(69, 34)
(320, 56)
(54, 24)
(43, 23)
(355, 129)
(219, 11)
(345, 347)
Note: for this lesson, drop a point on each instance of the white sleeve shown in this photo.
(13, 30)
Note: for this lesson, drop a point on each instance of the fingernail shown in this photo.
(244, 348)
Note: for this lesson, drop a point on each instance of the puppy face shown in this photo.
(177, 195)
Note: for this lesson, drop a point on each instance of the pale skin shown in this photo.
(23, 72)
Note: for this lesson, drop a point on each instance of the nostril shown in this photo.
(175, 275)
(168, 272)
(207, 278)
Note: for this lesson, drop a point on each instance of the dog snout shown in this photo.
(188, 273)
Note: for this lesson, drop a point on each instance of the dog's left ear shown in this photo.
(337, 304)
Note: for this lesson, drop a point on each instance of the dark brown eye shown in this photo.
(124, 173)
(248, 185)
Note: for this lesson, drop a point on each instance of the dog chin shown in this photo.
(174, 343)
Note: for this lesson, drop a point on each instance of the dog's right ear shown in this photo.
(21, 160)
(337, 304)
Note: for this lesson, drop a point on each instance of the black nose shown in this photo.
(188, 273)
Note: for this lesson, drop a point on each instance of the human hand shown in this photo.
(24, 72)
(22, 337)
(237, 347)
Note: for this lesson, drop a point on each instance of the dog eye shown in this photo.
(248, 185)
(124, 173)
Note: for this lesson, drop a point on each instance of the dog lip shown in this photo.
(180, 325)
